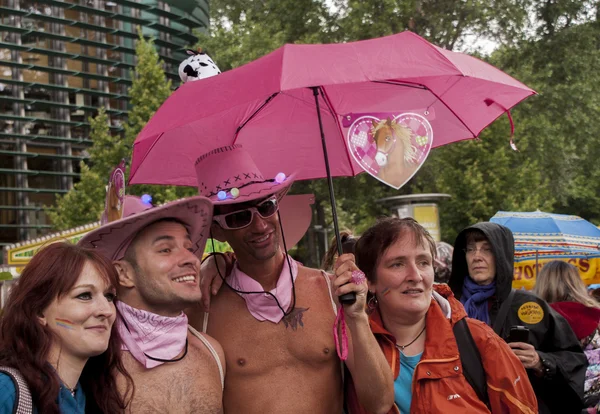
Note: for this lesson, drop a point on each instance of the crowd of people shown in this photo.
(130, 320)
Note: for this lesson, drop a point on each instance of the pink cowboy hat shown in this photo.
(228, 175)
(112, 239)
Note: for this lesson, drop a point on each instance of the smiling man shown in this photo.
(275, 317)
(156, 252)
(482, 274)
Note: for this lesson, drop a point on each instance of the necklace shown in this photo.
(71, 390)
(171, 360)
(401, 347)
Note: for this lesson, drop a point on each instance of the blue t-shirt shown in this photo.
(66, 402)
(403, 384)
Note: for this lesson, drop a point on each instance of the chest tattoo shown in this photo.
(294, 318)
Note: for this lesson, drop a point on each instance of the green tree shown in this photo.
(81, 205)
(244, 30)
(446, 23)
(560, 126)
(556, 132)
(149, 89)
(556, 53)
(84, 202)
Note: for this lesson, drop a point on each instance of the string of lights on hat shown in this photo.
(235, 191)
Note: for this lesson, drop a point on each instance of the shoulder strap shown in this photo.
(205, 323)
(328, 281)
(23, 400)
(212, 351)
(471, 360)
(501, 317)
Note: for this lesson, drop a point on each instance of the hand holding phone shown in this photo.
(518, 340)
(518, 334)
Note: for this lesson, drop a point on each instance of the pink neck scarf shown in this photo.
(146, 335)
(262, 305)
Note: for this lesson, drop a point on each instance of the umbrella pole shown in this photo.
(348, 298)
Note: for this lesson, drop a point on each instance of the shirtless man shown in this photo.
(174, 368)
(280, 348)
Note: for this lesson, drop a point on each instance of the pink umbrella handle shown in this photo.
(348, 298)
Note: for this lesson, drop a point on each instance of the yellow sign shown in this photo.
(526, 271)
(531, 313)
(427, 216)
(20, 255)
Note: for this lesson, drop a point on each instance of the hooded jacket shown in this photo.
(439, 385)
(560, 389)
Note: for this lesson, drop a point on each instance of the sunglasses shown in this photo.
(243, 218)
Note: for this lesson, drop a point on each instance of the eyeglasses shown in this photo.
(484, 250)
(243, 218)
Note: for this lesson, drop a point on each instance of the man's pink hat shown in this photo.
(113, 239)
(228, 175)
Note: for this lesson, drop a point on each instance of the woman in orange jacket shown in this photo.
(413, 322)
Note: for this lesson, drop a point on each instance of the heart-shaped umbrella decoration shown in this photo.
(390, 148)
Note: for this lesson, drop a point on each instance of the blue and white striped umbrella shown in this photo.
(550, 235)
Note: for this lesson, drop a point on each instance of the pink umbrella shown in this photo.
(292, 106)
(268, 105)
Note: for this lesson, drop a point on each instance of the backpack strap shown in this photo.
(23, 400)
(212, 350)
(501, 317)
(471, 360)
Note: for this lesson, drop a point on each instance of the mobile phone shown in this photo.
(518, 334)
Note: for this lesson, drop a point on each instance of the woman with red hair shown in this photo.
(58, 332)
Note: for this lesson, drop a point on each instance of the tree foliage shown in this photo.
(446, 23)
(553, 47)
(550, 46)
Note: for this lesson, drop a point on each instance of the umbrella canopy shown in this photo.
(542, 237)
(268, 106)
(546, 234)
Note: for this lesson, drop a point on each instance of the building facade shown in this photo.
(59, 62)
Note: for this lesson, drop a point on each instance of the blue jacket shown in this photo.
(66, 402)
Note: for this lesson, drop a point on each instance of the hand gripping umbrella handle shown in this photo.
(348, 298)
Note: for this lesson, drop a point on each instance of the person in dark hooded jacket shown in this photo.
(481, 279)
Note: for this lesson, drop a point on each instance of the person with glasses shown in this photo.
(273, 316)
(422, 328)
(481, 278)
(156, 251)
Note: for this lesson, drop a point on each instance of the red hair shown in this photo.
(25, 343)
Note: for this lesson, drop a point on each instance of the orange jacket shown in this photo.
(439, 385)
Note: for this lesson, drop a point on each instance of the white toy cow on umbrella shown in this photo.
(197, 66)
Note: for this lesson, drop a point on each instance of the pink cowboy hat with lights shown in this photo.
(113, 239)
(228, 175)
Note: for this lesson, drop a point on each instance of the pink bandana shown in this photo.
(146, 335)
(262, 305)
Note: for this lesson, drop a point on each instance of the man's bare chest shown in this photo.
(302, 338)
(191, 385)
